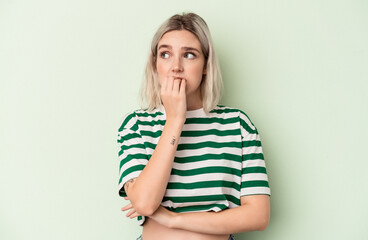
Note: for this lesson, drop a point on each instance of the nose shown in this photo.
(177, 65)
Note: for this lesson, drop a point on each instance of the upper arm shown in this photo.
(260, 204)
(132, 153)
(254, 180)
(261, 199)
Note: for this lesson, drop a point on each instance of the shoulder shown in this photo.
(221, 109)
(132, 119)
(128, 121)
(243, 118)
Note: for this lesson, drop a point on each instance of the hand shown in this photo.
(173, 98)
(132, 213)
(164, 217)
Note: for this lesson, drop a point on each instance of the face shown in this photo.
(179, 55)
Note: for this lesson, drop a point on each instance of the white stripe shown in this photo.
(154, 128)
(254, 177)
(212, 138)
(255, 190)
(207, 138)
(207, 150)
(254, 163)
(253, 149)
(206, 163)
(246, 136)
(218, 126)
(194, 127)
(201, 192)
(205, 177)
(132, 163)
(247, 121)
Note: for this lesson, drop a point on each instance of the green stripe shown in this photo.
(254, 183)
(126, 120)
(132, 156)
(226, 156)
(205, 170)
(146, 114)
(224, 110)
(200, 133)
(152, 123)
(247, 127)
(198, 208)
(150, 145)
(151, 134)
(204, 184)
(186, 146)
(129, 136)
(254, 143)
(222, 121)
(138, 145)
(221, 197)
(130, 170)
(249, 170)
(124, 147)
(253, 156)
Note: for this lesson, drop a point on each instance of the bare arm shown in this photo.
(146, 191)
(252, 215)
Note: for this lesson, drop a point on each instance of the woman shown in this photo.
(191, 168)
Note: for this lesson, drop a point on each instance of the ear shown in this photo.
(204, 71)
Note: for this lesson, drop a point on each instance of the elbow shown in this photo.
(145, 209)
(262, 226)
(263, 223)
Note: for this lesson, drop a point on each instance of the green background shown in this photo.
(70, 70)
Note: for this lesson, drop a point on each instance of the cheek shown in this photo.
(161, 67)
(198, 72)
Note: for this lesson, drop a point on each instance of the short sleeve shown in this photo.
(254, 178)
(132, 153)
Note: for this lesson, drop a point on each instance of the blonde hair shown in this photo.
(211, 85)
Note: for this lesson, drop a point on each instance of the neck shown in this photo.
(194, 101)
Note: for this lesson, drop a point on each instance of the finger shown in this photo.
(176, 85)
(130, 212)
(127, 207)
(126, 198)
(169, 84)
(183, 85)
(134, 215)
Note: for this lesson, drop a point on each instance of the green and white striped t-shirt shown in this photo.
(219, 158)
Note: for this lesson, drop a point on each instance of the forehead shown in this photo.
(179, 38)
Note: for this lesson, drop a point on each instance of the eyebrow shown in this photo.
(185, 48)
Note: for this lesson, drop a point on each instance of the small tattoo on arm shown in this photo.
(172, 141)
(126, 186)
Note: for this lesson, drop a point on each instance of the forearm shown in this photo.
(251, 217)
(149, 188)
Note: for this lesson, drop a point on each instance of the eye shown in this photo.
(164, 55)
(189, 55)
